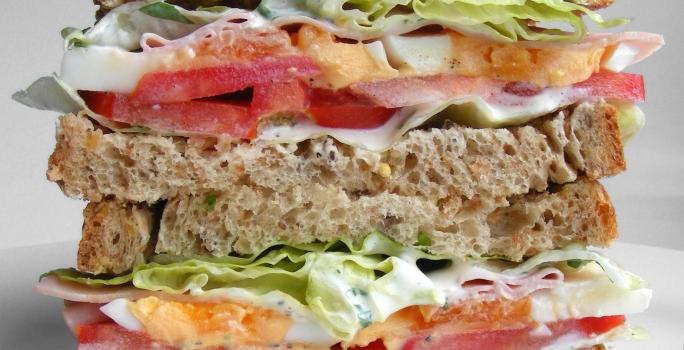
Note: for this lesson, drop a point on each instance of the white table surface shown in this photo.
(33, 322)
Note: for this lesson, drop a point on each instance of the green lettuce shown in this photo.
(503, 20)
(631, 119)
(74, 37)
(163, 10)
(346, 286)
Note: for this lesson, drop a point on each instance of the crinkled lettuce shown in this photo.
(503, 20)
(347, 286)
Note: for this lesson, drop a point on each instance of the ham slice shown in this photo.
(510, 287)
(71, 291)
(78, 314)
(410, 91)
(645, 43)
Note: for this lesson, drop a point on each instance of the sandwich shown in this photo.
(345, 174)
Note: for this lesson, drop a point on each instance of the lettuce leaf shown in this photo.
(125, 25)
(346, 286)
(574, 252)
(48, 94)
(631, 119)
(163, 10)
(503, 20)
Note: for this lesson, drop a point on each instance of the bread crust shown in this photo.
(116, 236)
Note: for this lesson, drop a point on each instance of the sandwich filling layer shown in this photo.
(323, 294)
(285, 74)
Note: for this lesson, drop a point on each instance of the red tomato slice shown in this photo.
(111, 336)
(289, 96)
(179, 86)
(344, 110)
(207, 117)
(409, 91)
(351, 116)
(376, 345)
(620, 86)
(333, 109)
(516, 338)
(600, 325)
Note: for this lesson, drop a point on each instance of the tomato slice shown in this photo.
(351, 116)
(522, 338)
(599, 325)
(620, 86)
(186, 85)
(207, 117)
(376, 345)
(111, 336)
(345, 110)
(291, 96)
(410, 91)
(277, 88)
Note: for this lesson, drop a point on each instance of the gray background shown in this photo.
(649, 197)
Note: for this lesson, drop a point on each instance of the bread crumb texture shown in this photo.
(472, 191)
(441, 165)
(116, 236)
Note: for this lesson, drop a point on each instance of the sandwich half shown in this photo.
(345, 174)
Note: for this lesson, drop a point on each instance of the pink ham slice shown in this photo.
(409, 91)
(71, 291)
(77, 314)
(645, 43)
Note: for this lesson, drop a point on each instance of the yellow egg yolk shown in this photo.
(200, 325)
(550, 66)
(342, 63)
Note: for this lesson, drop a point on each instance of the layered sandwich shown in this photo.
(345, 174)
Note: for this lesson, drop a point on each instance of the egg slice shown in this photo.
(420, 53)
(118, 311)
(199, 325)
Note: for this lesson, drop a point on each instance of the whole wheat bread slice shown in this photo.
(449, 166)
(116, 236)
(246, 221)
